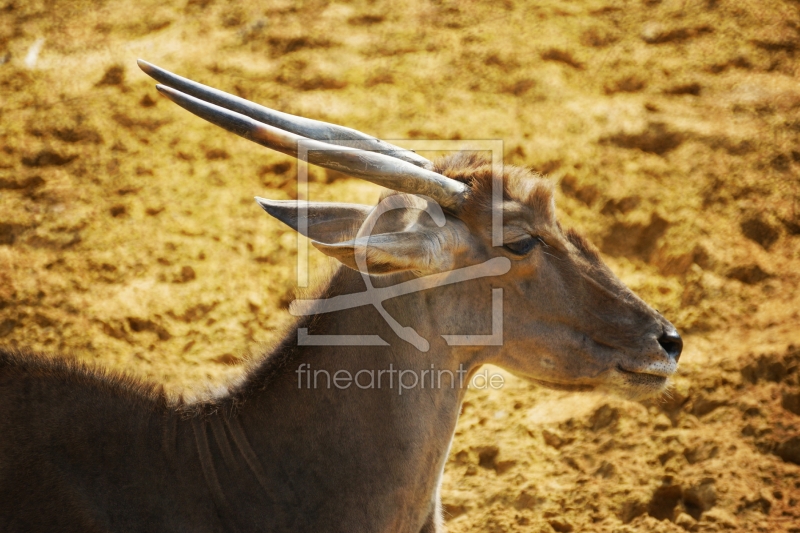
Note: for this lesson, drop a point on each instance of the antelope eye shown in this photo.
(523, 246)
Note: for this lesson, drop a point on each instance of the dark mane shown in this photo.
(18, 364)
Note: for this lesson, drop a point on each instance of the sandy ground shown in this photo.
(129, 237)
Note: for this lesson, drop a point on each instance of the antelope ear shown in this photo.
(324, 221)
(386, 253)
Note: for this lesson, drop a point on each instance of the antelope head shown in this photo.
(575, 325)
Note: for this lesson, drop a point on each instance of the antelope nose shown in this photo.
(671, 342)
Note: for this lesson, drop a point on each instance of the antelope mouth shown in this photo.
(569, 387)
(644, 378)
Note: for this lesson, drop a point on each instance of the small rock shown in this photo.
(456, 503)
(704, 405)
(187, 274)
(501, 467)
(560, 525)
(605, 470)
(662, 422)
(561, 56)
(7, 326)
(692, 88)
(147, 101)
(634, 239)
(487, 455)
(749, 274)
(658, 138)
(685, 521)
(749, 408)
(652, 31)
(622, 205)
(760, 231)
(525, 500)
(552, 439)
(763, 501)
(721, 517)
(587, 194)
(635, 505)
(789, 450)
(48, 158)
(115, 75)
(791, 402)
(227, 359)
(656, 33)
(767, 367)
(217, 153)
(604, 416)
(664, 501)
(702, 496)
(32, 182)
(139, 325)
(255, 302)
(702, 452)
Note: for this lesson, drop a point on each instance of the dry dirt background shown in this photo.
(129, 237)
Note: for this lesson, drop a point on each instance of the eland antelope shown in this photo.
(284, 450)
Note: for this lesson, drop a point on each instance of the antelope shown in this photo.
(85, 450)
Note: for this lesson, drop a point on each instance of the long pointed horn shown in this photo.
(313, 129)
(386, 171)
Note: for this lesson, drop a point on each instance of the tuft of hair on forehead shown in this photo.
(519, 184)
(587, 249)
